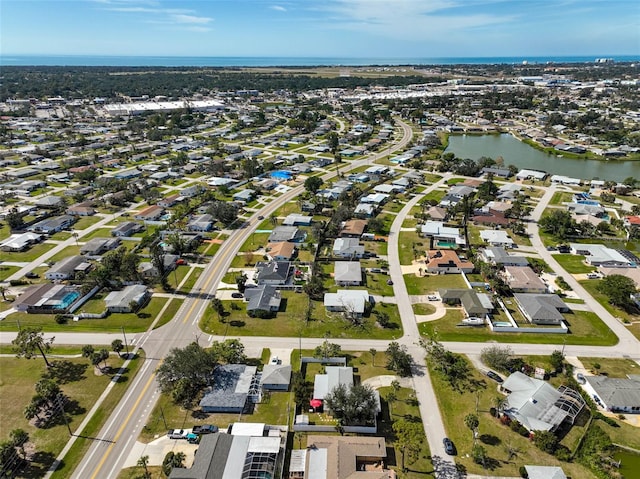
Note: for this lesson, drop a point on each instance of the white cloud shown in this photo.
(191, 19)
(413, 20)
(279, 8)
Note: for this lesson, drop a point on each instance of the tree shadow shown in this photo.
(39, 463)
(73, 407)
(489, 439)
(199, 414)
(236, 323)
(66, 371)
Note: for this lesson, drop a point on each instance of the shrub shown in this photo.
(562, 453)
(523, 472)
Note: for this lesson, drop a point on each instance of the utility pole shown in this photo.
(125, 341)
(163, 418)
(64, 416)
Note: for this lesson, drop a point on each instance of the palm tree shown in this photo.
(373, 353)
(144, 463)
(391, 398)
(3, 292)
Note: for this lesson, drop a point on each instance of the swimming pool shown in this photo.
(502, 324)
(446, 244)
(67, 300)
(281, 175)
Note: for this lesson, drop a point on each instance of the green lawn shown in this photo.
(191, 280)
(591, 285)
(492, 435)
(613, 368)
(65, 253)
(432, 283)
(31, 254)
(112, 323)
(573, 263)
(376, 283)
(585, 328)
(407, 242)
(99, 233)
(423, 308)
(289, 321)
(17, 378)
(86, 221)
(561, 197)
(254, 242)
(435, 195)
(6, 271)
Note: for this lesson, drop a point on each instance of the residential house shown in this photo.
(170, 201)
(351, 302)
(126, 229)
(365, 210)
(522, 279)
(541, 308)
(50, 202)
(20, 242)
(129, 299)
(377, 199)
(474, 304)
(282, 251)
(447, 261)
(52, 225)
(442, 236)
(47, 298)
(241, 454)
(348, 248)
(353, 228)
(437, 213)
(333, 377)
(536, 405)
(202, 223)
(232, 385)
(496, 238)
(151, 213)
(286, 233)
(244, 196)
(274, 273)
(98, 246)
(455, 195)
(66, 268)
(618, 395)
(600, 255)
(295, 219)
(264, 298)
(275, 377)
(341, 457)
(544, 472)
(81, 209)
(498, 256)
(347, 273)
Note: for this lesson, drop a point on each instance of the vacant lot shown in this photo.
(573, 263)
(79, 382)
(432, 283)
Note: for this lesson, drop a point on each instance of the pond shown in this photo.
(522, 155)
(629, 464)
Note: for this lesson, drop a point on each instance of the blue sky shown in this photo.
(321, 28)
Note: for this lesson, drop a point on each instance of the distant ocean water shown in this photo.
(171, 61)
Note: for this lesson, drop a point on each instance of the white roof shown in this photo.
(355, 299)
(269, 444)
(298, 460)
(545, 472)
(496, 236)
(253, 429)
(318, 463)
(599, 253)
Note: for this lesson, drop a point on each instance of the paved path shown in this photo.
(434, 430)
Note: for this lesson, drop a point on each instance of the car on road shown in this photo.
(192, 438)
(275, 360)
(177, 434)
(580, 378)
(31, 275)
(260, 217)
(237, 295)
(432, 297)
(593, 276)
(181, 261)
(494, 376)
(449, 448)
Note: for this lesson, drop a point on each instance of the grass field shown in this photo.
(585, 328)
(573, 263)
(31, 254)
(6, 271)
(81, 385)
(85, 222)
(612, 367)
(492, 435)
(432, 283)
(112, 323)
(423, 308)
(99, 233)
(289, 321)
(407, 241)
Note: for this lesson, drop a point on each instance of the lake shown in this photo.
(522, 155)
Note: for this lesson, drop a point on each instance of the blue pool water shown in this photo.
(589, 202)
(68, 299)
(502, 324)
(281, 175)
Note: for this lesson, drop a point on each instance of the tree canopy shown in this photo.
(30, 341)
(356, 405)
(618, 290)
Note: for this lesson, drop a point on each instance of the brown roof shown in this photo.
(342, 452)
(149, 211)
(443, 257)
(354, 227)
(284, 249)
(523, 277)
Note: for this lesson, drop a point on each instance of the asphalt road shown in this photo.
(107, 454)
